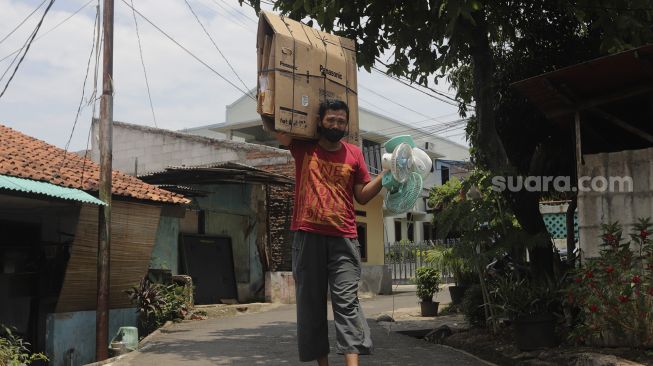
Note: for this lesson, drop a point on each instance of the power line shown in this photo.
(140, 50)
(50, 30)
(215, 45)
(187, 51)
(407, 126)
(29, 44)
(99, 42)
(23, 21)
(81, 100)
(448, 99)
(393, 102)
(419, 132)
(376, 107)
(234, 20)
(239, 11)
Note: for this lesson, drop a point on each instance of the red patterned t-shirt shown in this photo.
(324, 188)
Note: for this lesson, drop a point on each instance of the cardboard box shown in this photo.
(299, 67)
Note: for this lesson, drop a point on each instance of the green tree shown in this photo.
(481, 47)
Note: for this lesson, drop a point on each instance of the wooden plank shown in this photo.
(133, 233)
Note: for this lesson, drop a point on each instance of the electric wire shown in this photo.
(377, 107)
(50, 30)
(94, 99)
(186, 50)
(81, 99)
(418, 131)
(216, 46)
(443, 94)
(227, 14)
(239, 11)
(393, 102)
(450, 101)
(29, 44)
(234, 20)
(140, 50)
(23, 21)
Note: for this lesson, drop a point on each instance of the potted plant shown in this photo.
(529, 305)
(463, 275)
(428, 284)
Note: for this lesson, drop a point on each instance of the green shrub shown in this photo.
(14, 351)
(614, 292)
(158, 303)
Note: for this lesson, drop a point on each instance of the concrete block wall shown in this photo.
(143, 149)
(596, 208)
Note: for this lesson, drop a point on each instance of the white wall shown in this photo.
(596, 208)
(157, 149)
(373, 126)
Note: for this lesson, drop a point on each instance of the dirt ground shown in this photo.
(502, 351)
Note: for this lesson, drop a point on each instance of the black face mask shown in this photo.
(331, 134)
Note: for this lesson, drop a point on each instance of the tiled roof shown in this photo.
(26, 157)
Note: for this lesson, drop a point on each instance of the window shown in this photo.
(428, 231)
(372, 154)
(445, 174)
(397, 230)
(411, 231)
(361, 229)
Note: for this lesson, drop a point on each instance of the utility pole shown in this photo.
(104, 222)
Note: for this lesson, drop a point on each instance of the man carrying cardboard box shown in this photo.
(330, 173)
(297, 68)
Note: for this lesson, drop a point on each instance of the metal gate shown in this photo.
(405, 257)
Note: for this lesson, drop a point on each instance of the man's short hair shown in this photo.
(334, 105)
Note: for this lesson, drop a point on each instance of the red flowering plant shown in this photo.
(614, 292)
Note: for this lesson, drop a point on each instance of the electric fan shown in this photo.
(408, 166)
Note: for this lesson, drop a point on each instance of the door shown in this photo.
(209, 261)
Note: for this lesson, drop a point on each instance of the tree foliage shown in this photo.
(481, 47)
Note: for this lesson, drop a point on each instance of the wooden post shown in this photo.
(579, 150)
(104, 224)
(571, 245)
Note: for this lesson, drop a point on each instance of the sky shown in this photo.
(43, 98)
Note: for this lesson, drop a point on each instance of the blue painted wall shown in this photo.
(76, 331)
(228, 211)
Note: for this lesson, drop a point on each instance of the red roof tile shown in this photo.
(26, 157)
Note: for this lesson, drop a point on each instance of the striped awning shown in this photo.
(47, 189)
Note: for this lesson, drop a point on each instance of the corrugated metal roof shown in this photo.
(218, 171)
(558, 94)
(48, 189)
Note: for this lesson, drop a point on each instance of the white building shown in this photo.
(244, 124)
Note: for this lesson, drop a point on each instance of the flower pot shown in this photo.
(535, 331)
(429, 308)
(457, 294)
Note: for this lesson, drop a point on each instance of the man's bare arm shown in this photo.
(365, 192)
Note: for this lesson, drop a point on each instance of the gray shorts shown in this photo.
(318, 261)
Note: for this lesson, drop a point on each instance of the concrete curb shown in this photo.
(469, 354)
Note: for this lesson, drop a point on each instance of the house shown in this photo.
(48, 250)
(605, 104)
(244, 124)
(252, 195)
(232, 205)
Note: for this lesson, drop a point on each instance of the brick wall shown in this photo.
(280, 200)
(280, 203)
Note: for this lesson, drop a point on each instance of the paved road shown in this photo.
(269, 338)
